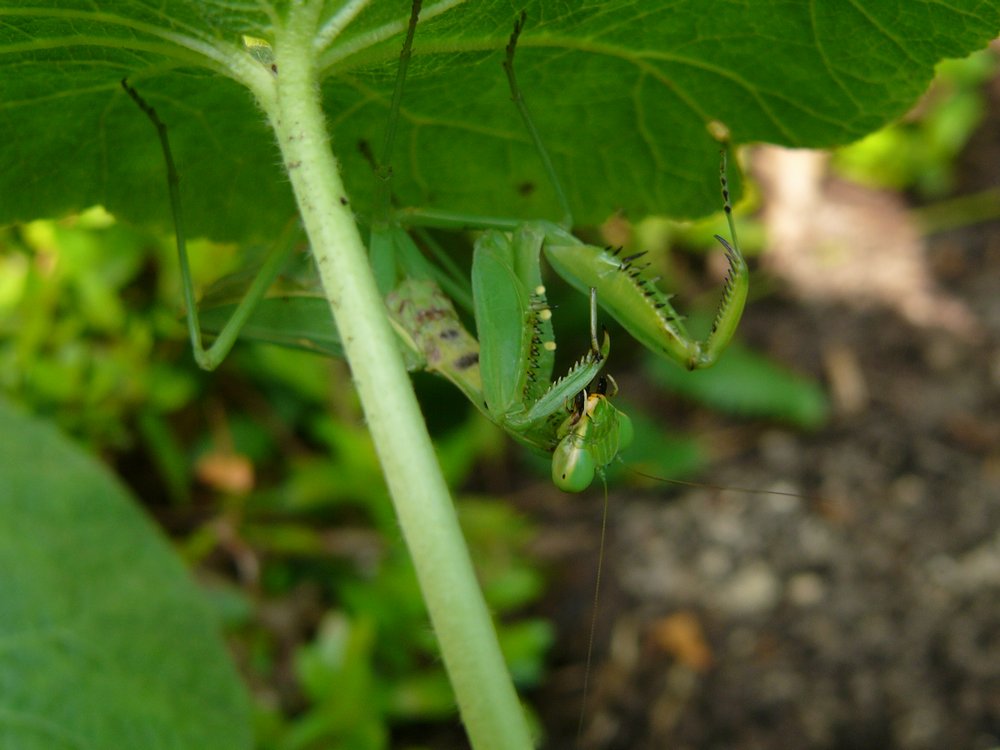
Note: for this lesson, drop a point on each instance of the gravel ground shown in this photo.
(862, 614)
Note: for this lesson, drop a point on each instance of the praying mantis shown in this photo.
(507, 372)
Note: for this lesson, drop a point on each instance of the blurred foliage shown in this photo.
(265, 474)
(78, 330)
(749, 385)
(919, 152)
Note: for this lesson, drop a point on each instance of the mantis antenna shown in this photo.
(594, 611)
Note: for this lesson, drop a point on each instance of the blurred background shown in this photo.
(832, 582)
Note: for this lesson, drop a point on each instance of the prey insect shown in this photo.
(507, 372)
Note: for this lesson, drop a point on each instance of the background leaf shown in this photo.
(749, 384)
(622, 92)
(106, 642)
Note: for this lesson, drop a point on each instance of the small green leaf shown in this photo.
(106, 642)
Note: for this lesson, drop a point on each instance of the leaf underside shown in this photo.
(622, 94)
(106, 642)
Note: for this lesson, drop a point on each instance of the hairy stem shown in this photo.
(486, 696)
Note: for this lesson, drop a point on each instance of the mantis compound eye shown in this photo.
(573, 467)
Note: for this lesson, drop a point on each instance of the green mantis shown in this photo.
(575, 422)
(508, 372)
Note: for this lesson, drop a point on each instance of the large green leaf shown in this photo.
(622, 91)
(104, 641)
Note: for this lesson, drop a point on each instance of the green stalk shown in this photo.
(486, 697)
(961, 211)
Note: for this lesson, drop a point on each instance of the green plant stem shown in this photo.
(486, 697)
(961, 211)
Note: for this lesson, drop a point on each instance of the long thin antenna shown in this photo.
(593, 614)
(717, 487)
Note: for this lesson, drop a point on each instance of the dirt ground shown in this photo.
(863, 614)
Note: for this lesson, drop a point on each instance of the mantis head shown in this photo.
(592, 437)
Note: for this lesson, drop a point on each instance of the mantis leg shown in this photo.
(623, 287)
(513, 320)
(522, 108)
(517, 346)
(631, 296)
(210, 358)
(389, 247)
(383, 170)
(393, 253)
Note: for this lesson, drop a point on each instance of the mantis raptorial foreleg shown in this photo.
(623, 289)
